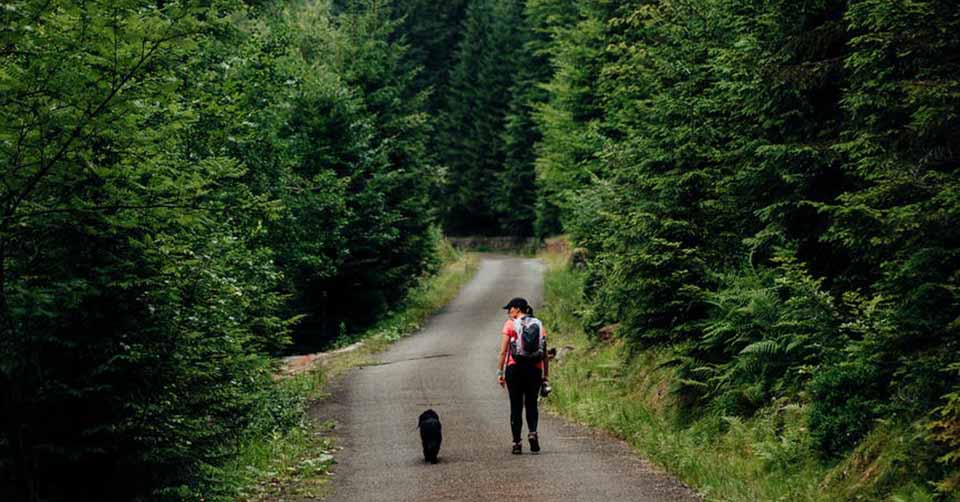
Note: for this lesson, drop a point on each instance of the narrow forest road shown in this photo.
(449, 366)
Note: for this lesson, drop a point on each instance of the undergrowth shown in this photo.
(290, 454)
(769, 455)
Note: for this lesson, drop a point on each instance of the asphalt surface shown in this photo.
(450, 366)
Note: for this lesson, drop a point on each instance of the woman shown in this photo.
(522, 378)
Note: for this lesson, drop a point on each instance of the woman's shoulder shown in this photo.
(507, 327)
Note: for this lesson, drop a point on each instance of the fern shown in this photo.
(763, 348)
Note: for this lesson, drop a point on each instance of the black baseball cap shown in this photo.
(520, 303)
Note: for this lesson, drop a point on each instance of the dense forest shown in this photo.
(189, 189)
(771, 189)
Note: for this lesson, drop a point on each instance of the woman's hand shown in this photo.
(501, 381)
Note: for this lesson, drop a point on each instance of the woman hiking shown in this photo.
(523, 368)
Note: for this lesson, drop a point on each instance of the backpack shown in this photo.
(529, 344)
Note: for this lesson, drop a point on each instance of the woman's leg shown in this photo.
(515, 388)
(531, 389)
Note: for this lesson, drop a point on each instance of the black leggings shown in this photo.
(523, 385)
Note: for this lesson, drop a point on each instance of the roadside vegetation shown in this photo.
(763, 197)
(770, 455)
(189, 190)
(292, 454)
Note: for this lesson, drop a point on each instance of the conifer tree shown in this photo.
(896, 220)
(389, 227)
(567, 120)
(431, 30)
(135, 298)
(171, 201)
(519, 188)
(764, 186)
(473, 149)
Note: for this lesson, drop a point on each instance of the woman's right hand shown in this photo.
(501, 380)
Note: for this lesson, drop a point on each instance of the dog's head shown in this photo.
(428, 415)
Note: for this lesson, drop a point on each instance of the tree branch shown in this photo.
(75, 134)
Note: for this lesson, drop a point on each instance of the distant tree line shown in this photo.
(487, 65)
(187, 187)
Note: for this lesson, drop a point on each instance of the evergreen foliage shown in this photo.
(473, 120)
(431, 29)
(485, 93)
(769, 188)
(185, 186)
(520, 194)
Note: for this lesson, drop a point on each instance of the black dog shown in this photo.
(430, 435)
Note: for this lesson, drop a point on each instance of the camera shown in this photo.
(545, 389)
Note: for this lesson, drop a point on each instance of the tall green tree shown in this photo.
(129, 286)
(902, 104)
(519, 192)
(765, 187)
(388, 230)
(567, 120)
(478, 100)
(199, 177)
(431, 30)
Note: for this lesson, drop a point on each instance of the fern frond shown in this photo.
(761, 348)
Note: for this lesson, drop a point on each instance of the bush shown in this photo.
(767, 332)
(846, 399)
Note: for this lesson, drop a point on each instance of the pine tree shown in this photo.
(567, 120)
(389, 228)
(519, 188)
(473, 149)
(432, 32)
(897, 219)
(135, 299)
(172, 200)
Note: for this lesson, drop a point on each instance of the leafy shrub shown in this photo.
(945, 429)
(767, 332)
(845, 401)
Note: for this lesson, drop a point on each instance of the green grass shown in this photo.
(423, 301)
(765, 458)
(293, 463)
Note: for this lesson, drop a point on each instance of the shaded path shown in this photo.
(449, 366)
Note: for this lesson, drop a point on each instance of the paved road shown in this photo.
(449, 366)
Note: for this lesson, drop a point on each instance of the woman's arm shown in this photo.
(546, 362)
(502, 358)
